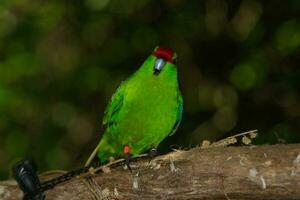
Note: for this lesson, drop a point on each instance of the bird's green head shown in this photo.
(163, 55)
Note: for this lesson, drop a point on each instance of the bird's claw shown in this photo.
(152, 153)
(128, 159)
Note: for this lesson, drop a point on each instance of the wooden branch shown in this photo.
(249, 172)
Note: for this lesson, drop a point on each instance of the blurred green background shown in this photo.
(60, 62)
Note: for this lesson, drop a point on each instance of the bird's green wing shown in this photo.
(179, 113)
(110, 114)
(114, 106)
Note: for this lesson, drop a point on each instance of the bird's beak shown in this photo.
(159, 65)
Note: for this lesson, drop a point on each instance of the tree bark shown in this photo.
(249, 172)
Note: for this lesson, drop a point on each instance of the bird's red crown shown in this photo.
(165, 53)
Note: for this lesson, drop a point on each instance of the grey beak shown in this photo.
(159, 64)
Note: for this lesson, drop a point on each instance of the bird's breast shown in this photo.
(151, 107)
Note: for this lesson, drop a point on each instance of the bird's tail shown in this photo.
(92, 156)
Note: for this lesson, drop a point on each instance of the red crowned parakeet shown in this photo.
(145, 109)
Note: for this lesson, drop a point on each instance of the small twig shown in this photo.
(231, 140)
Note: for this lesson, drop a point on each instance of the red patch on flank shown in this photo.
(165, 53)
(126, 149)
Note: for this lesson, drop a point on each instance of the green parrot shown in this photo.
(145, 109)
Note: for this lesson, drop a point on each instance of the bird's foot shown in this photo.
(127, 157)
(128, 160)
(152, 153)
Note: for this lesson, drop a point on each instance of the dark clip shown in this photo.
(25, 173)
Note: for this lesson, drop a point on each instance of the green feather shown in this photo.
(143, 111)
(179, 113)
